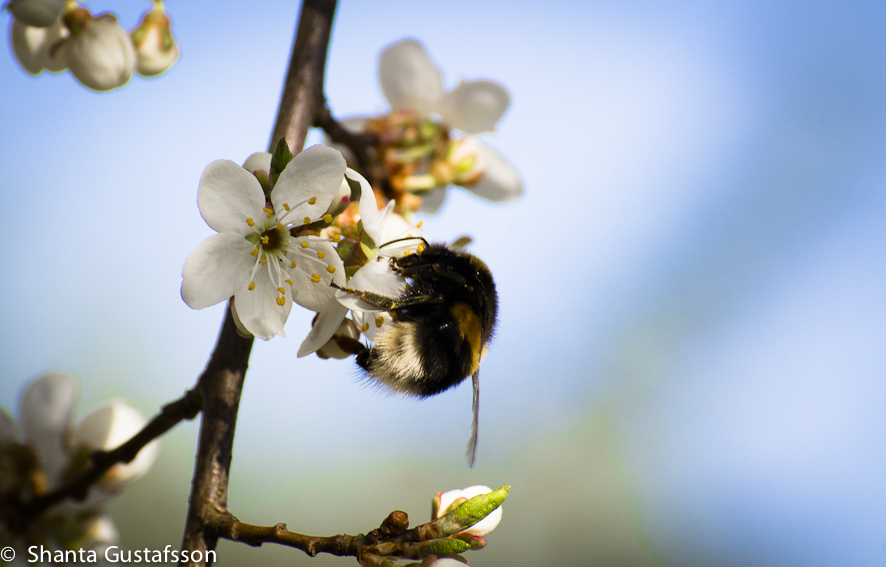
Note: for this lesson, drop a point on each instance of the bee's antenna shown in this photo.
(471, 452)
(422, 238)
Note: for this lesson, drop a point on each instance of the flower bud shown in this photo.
(99, 52)
(33, 46)
(154, 46)
(107, 428)
(36, 13)
(446, 502)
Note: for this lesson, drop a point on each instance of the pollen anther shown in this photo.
(321, 254)
(281, 301)
(304, 244)
(312, 200)
(379, 321)
(251, 286)
(330, 269)
(250, 222)
(327, 218)
(315, 278)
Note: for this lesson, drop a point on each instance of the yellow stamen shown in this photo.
(286, 206)
(312, 201)
(419, 224)
(307, 220)
(281, 301)
(321, 254)
(379, 321)
(281, 227)
(265, 239)
(407, 252)
(263, 261)
(250, 222)
(251, 286)
(330, 269)
(336, 238)
(269, 212)
(365, 327)
(327, 218)
(304, 243)
(281, 290)
(315, 278)
(288, 281)
(292, 266)
(254, 252)
(421, 247)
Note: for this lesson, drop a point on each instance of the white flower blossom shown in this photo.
(98, 52)
(32, 46)
(254, 257)
(155, 48)
(45, 420)
(375, 276)
(445, 502)
(36, 13)
(412, 83)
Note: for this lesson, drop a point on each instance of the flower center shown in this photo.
(271, 239)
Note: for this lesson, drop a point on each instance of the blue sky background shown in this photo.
(689, 368)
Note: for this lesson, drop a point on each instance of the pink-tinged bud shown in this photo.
(154, 46)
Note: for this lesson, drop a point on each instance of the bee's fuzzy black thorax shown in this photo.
(442, 323)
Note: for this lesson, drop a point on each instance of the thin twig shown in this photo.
(229, 527)
(173, 413)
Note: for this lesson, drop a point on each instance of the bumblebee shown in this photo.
(441, 326)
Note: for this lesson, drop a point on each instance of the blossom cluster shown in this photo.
(428, 140)
(298, 230)
(55, 35)
(45, 449)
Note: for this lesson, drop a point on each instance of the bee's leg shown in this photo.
(349, 345)
(412, 300)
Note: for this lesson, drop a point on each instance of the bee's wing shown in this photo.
(471, 453)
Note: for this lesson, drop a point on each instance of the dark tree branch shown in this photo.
(222, 382)
(173, 413)
(303, 89)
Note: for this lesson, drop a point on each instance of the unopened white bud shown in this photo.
(35, 48)
(99, 52)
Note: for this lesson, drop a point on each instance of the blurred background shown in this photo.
(689, 368)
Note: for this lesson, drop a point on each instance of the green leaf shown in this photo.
(279, 160)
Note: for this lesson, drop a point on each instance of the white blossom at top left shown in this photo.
(265, 254)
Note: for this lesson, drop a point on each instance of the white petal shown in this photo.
(259, 161)
(37, 13)
(258, 308)
(499, 182)
(316, 172)
(213, 271)
(408, 78)
(315, 296)
(229, 195)
(369, 214)
(474, 107)
(107, 428)
(395, 227)
(101, 56)
(47, 411)
(433, 200)
(326, 325)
